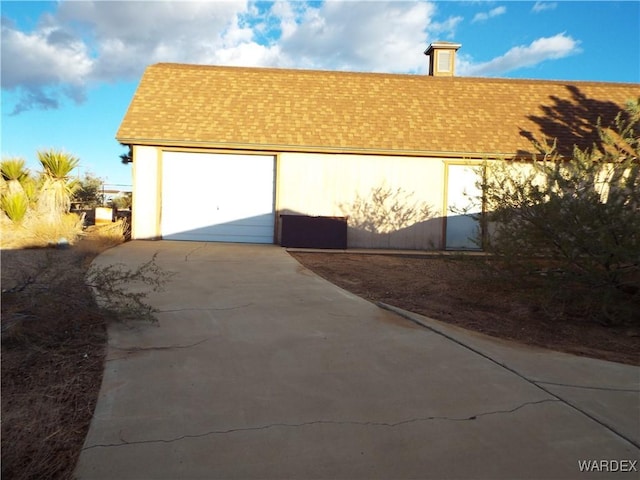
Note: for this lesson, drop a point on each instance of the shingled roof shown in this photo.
(325, 111)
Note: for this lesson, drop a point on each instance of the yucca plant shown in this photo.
(57, 164)
(31, 189)
(57, 186)
(14, 174)
(15, 205)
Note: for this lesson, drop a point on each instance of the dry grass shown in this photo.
(110, 233)
(35, 231)
(53, 344)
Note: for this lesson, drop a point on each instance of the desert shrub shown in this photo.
(112, 286)
(15, 205)
(575, 222)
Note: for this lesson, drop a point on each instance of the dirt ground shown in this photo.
(53, 347)
(454, 290)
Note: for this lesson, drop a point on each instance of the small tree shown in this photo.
(576, 221)
(89, 191)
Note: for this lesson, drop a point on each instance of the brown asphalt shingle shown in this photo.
(305, 110)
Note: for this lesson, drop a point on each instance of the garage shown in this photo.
(217, 197)
(336, 138)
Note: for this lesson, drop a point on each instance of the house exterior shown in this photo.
(229, 153)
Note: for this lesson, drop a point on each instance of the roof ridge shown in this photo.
(260, 69)
(302, 71)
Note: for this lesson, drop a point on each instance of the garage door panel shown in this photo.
(255, 227)
(222, 233)
(228, 198)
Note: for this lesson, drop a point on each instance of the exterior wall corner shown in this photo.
(145, 214)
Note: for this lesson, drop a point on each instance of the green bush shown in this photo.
(575, 222)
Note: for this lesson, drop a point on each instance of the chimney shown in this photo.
(442, 56)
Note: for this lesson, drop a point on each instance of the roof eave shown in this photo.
(163, 143)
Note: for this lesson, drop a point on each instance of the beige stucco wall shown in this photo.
(350, 186)
(146, 193)
(345, 185)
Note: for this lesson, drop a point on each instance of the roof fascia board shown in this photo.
(316, 149)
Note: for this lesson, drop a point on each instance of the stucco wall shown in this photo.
(384, 197)
(146, 193)
(390, 202)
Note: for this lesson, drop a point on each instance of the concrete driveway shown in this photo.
(260, 369)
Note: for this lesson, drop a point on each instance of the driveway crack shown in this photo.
(203, 309)
(194, 250)
(587, 387)
(538, 384)
(124, 442)
(131, 350)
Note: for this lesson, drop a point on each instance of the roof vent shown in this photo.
(442, 56)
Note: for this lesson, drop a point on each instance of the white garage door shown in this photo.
(217, 198)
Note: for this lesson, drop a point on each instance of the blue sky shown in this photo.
(70, 68)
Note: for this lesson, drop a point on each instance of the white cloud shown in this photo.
(287, 16)
(542, 6)
(47, 56)
(130, 35)
(371, 36)
(248, 54)
(482, 16)
(50, 57)
(446, 27)
(545, 48)
(85, 43)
